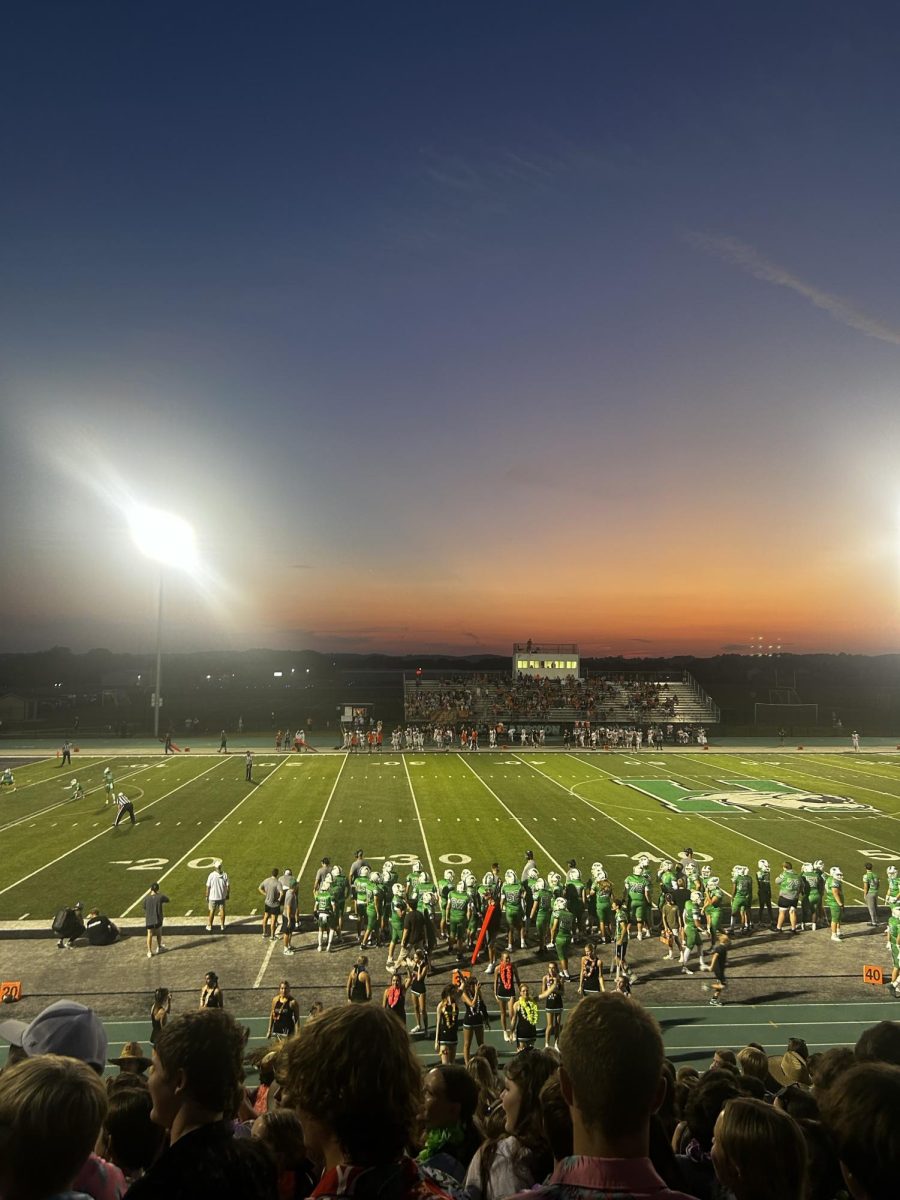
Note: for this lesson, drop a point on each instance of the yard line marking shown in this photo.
(23, 916)
(9, 887)
(531, 837)
(412, 792)
(265, 961)
(575, 796)
(197, 845)
(322, 817)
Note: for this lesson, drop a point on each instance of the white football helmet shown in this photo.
(666, 865)
(836, 873)
(601, 875)
(423, 877)
(643, 862)
(530, 872)
(388, 867)
(461, 887)
(713, 881)
(559, 904)
(807, 868)
(892, 872)
(374, 877)
(572, 874)
(539, 884)
(763, 864)
(397, 889)
(488, 881)
(416, 867)
(73, 783)
(449, 876)
(595, 867)
(327, 881)
(819, 864)
(696, 897)
(363, 873)
(895, 913)
(553, 879)
(705, 871)
(509, 877)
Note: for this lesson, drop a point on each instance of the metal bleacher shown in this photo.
(489, 699)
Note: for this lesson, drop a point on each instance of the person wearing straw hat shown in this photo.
(789, 1067)
(132, 1060)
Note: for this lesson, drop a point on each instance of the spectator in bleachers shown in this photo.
(448, 1119)
(881, 1043)
(824, 1068)
(280, 1130)
(521, 1156)
(693, 1138)
(611, 1111)
(130, 1139)
(759, 1151)
(51, 1113)
(860, 1113)
(195, 1086)
(356, 1085)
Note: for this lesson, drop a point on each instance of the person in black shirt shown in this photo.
(99, 930)
(717, 966)
(195, 1085)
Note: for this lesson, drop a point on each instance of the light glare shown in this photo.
(162, 536)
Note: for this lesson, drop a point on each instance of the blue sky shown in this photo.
(449, 325)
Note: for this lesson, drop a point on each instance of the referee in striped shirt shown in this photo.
(124, 809)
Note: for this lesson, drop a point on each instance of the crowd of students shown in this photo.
(343, 1107)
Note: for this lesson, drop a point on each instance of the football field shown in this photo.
(446, 810)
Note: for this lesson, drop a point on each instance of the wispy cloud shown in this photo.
(739, 254)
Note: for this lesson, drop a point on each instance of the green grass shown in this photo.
(446, 810)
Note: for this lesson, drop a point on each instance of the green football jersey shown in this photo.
(512, 895)
(564, 923)
(635, 885)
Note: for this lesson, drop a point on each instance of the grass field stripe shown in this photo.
(108, 829)
(337, 780)
(265, 962)
(530, 832)
(575, 796)
(206, 835)
(59, 803)
(412, 792)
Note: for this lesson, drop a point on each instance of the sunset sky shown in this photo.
(452, 324)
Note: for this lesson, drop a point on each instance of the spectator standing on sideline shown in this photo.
(124, 808)
(223, 743)
(66, 754)
(248, 767)
(153, 917)
(195, 1085)
(167, 746)
(218, 889)
(272, 893)
(289, 915)
(611, 1134)
(359, 861)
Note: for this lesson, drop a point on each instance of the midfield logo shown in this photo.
(744, 796)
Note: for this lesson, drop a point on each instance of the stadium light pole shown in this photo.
(169, 541)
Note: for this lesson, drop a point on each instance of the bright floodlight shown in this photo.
(162, 536)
